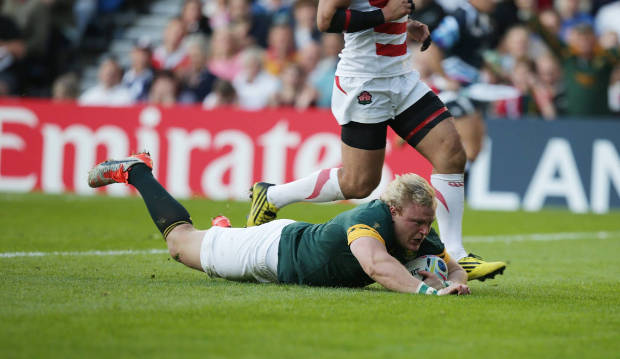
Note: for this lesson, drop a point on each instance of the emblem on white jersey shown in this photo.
(364, 98)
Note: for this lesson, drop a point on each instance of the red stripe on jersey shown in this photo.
(391, 50)
(394, 28)
(338, 85)
(320, 182)
(347, 19)
(425, 122)
(378, 3)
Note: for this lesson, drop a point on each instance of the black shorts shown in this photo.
(412, 125)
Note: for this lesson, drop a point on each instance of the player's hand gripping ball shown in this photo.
(432, 264)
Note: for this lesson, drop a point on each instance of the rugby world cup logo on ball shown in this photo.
(432, 264)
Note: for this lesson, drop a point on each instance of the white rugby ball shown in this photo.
(428, 263)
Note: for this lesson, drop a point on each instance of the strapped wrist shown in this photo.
(425, 289)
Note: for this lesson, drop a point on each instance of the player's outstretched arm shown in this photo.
(333, 15)
(385, 269)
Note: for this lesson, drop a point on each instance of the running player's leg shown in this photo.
(443, 148)
(428, 126)
(363, 152)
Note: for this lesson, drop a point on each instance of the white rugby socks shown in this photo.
(320, 186)
(450, 190)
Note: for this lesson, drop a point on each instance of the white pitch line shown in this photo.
(85, 253)
(561, 236)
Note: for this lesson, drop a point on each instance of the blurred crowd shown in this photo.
(559, 57)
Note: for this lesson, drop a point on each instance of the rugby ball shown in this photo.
(429, 263)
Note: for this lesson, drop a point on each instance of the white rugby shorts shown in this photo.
(243, 254)
(374, 100)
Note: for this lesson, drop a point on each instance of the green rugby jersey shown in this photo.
(319, 254)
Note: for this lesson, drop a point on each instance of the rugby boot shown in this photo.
(261, 211)
(479, 269)
(221, 221)
(116, 171)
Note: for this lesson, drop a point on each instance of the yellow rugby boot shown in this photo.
(479, 269)
(261, 211)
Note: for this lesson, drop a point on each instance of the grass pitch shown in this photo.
(557, 299)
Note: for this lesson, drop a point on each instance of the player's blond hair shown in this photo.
(408, 188)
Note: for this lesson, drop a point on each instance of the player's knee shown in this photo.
(360, 187)
(457, 157)
(176, 241)
(453, 156)
(174, 247)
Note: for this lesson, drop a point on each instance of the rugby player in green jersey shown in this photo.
(367, 244)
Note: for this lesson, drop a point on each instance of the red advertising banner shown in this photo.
(217, 153)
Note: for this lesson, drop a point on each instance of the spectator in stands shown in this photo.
(517, 45)
(572, 13)
(320, 82)
(533, 100)
(194, 21)
(587, 69)
(514, 47)
(164, 90)
(224, 61)
(510, 13)
(66, 87)
(223, 95)
(240, 30)
(109, 91)
(84, 11)
(254, 85)
(281, 49)
(195, 79)
(309, 57)
(171, 54)
(551, 20)
(291, 85)
(305, 29)
(33, 18)
(139, 77)
(12, 49)
(241, 10)
(217, 13)
(549, 73)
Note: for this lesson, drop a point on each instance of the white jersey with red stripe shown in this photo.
(377, 52)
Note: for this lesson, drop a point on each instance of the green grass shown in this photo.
(557, 299)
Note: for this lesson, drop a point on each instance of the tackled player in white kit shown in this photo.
(375, 86)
